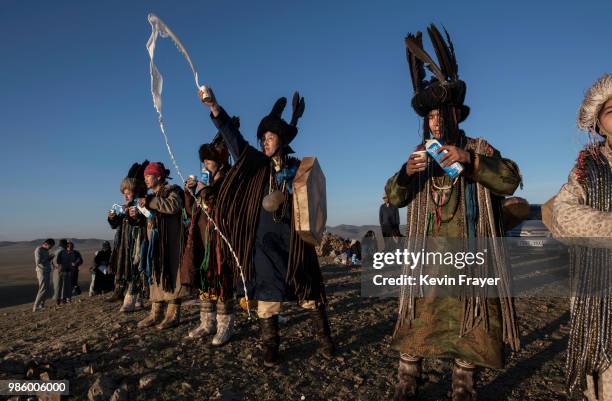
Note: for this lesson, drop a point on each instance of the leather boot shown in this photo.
(225, 323)
(464, 381)
(208, 318)
(322, 331)
(270, 340)
(118, 293)
(409, 376)
(173, 316)
(139, 303)
(157, 312)
(128, 303)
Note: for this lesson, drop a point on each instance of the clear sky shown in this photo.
(76, 108)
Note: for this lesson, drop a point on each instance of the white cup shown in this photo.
(421, 154)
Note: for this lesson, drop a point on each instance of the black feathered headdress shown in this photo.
(134, 181)
(444, 88)
(274, 122)
(217, 150)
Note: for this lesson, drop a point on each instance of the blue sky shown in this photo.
(77, 111)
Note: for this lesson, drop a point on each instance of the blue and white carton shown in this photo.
(432, 146)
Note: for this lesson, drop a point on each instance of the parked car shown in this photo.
(532, 233)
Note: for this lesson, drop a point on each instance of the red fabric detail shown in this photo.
(156, 169)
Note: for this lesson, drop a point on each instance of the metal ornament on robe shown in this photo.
(159, 28)
(310, 201)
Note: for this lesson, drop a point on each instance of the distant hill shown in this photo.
(86, 242)
(347, 231)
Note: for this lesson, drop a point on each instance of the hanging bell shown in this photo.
(273, 201)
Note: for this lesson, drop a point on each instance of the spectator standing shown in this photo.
(101, 279)
(389, 220)
(76, 261)
(43, 260)
(63, 262)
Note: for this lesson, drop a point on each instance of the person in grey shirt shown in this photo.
(63, 261)
(42, 259)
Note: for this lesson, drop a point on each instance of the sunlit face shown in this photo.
(435, 123)
(151, 181)
(128, 195)
(212, 166)
(271, 143)
(605, 120)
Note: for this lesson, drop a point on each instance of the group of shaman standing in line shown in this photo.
(172, 241)
(250, 202)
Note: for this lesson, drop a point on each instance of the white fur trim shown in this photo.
(594, 99)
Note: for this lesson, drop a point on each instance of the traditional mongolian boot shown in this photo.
(173, 316)
(322, 331)
(270, 340)
(118, 293)
(128, 303)
(225, 323)
(463, 381)
(156, 315)
(208, 318)
(409, 375)
(139, 303)
(599, 386)
(605, 384)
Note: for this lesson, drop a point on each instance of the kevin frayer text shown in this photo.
(427, 280)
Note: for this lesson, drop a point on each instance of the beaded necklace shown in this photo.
(441, 194)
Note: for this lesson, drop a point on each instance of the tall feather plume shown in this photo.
(417, 71)
(298, 108)
(452, 52)
(141, 170)
(133, 171)
(442, 52)
(279, 106)
(417, 49)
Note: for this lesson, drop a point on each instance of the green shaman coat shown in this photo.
(438, 326)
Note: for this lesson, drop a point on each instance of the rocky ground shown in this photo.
(104, 355)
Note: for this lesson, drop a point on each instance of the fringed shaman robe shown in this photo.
(166, 236)
(125, 259)
(278, 265)
(470, 327)
(582, 216)
(203, 265)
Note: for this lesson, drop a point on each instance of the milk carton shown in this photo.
(432, 146)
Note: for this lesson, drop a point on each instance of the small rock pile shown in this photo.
(331, 245)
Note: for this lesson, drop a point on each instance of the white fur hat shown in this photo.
(594, 99)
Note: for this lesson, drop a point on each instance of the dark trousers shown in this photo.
(76, 289)
(388, 232)
(63, 289)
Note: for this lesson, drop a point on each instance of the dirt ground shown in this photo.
(94, 347)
